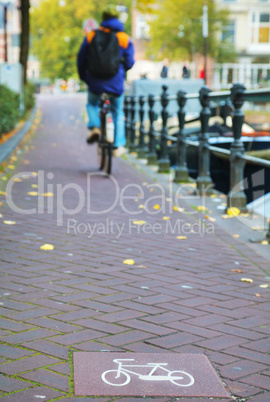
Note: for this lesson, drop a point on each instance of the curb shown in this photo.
(8, 147)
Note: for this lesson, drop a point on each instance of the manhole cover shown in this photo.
(145, 374)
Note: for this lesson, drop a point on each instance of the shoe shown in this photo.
(119, 151)
(93, 135)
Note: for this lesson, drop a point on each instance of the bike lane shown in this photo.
(93, 264)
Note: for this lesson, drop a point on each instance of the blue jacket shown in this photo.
(114, 84)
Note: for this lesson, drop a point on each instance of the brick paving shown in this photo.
(180, 296)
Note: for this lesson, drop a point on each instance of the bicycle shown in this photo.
(121, 376)
(105, 143)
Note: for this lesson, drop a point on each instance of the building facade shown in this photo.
(249, 29)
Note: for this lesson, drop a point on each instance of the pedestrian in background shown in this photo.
(164, 70)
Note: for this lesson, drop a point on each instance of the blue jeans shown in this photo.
(117, 105)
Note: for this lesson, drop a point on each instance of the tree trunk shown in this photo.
(25, 30)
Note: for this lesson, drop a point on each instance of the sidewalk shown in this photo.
(182, 294)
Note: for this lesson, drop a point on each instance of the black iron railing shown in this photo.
(153, 144)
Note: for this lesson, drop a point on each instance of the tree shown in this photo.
(57, 32)
(25, 29)
(176, 29)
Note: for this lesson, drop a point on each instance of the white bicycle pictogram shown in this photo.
(121, 376)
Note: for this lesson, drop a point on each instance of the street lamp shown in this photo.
(205, 36)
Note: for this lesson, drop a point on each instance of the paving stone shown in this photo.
(242, 390)
(33, 394)
(28, 363)
(241, 369)
(28, 336)
(76, 337)
(174, 340)
(49, 379)
(12, 352)
(222, 342)
(48, 348)
(11, 384)
(258, 380)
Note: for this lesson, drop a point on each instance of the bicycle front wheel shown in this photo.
(181, 378)
(110, 377)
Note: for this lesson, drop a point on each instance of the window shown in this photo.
(228, 33)
(142, 28)
(260, 28)
(15, 40)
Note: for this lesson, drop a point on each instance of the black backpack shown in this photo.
(103, 54)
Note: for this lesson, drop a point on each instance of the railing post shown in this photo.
(204, 181)
(132, 145)
(141, 148)
(164, 161)
(152, 154)
(237, 197)
(181, 170)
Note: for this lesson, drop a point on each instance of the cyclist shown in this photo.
(113, 85)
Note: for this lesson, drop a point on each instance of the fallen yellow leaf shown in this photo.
(181, 237)
(201, 208)
(166, 218)
(264, 286)
(3, 193)
(233, 211)
(247, 280)
(18, 180)
(178, 209)
(47, 247)
(236, 235)
(10, 166)
(264, 242)
(9, 222)
(129, 262)
(257, 228)
(13, 158)
(34, 185)
(32, 193)
(47, 194)
(156, 206)
(34, 173)
(139, 222)
(210, 218)
(141, 206)
(4, 178)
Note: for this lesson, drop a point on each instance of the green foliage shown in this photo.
(9, 109)
(176, 29)
(57, 33)
(29, 98)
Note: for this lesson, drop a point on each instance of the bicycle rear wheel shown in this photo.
(101, 151)
(108, 159)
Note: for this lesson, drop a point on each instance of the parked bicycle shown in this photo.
(121, 376)
(106, 140)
